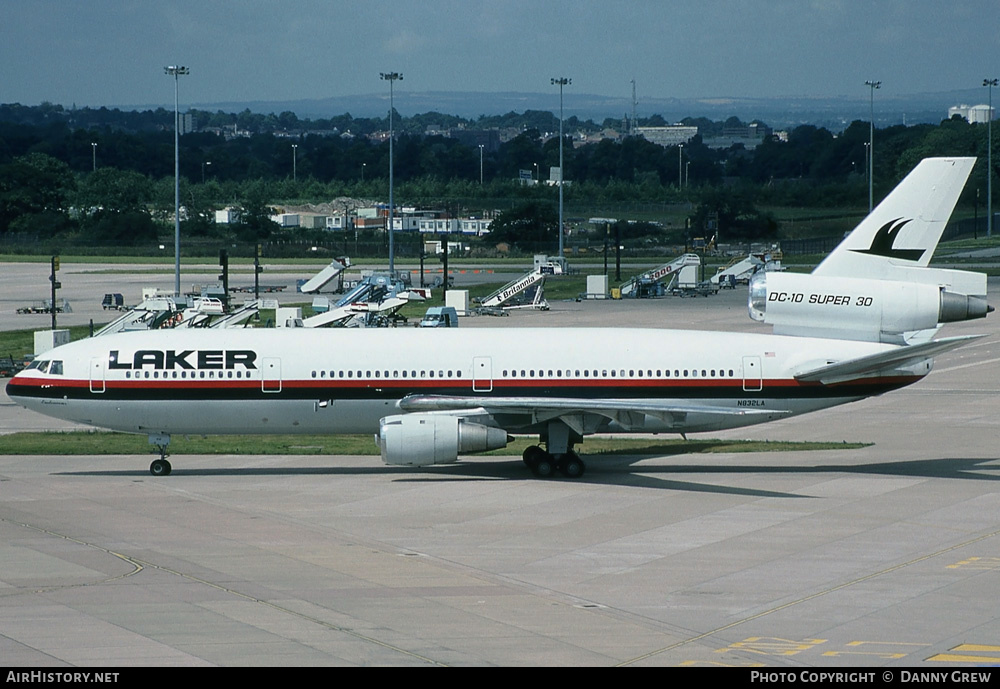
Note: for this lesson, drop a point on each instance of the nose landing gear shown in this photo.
(160, 467)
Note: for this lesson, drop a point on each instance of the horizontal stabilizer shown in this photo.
(898, 357)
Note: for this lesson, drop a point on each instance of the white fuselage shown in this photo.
(339, 381)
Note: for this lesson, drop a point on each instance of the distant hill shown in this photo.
(831, 112)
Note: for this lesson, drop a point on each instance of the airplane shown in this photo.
(860, 324)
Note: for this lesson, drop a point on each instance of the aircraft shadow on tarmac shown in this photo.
(610, 470)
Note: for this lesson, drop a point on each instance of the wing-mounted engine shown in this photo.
(865, 309)
(425, 439)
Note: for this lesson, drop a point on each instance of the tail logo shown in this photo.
(882, 244)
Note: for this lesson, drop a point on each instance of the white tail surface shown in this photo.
(903, 231)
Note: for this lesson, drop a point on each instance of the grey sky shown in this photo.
(112, 52)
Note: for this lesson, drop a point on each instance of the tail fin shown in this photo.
(876, 285)
(903, 231)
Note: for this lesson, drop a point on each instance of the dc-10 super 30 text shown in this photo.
(821, 299)
(861, 324)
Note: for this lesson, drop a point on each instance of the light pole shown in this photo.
(867, 160)
(989, 83)
(480, 165)
(871, 145)
(391, 77)
(680, 154)
(294, 162)
(176, 72)
(363, 166)
(203, 164)
(93, 149)
(561, 81)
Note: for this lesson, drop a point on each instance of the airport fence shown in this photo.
(409, 245)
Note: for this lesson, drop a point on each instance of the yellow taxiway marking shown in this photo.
(955, 657)
(811, 597)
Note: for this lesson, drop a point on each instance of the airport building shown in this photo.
(672, 135)
(409, 220)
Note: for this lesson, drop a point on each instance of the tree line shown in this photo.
(107, 175)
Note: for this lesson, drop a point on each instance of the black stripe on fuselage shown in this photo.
(309, 390)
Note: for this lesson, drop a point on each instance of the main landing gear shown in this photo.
(160, 467)
(544, 465)
(558, 455)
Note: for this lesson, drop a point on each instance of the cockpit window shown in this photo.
(54, 368)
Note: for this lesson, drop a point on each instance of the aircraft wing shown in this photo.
(582, 415)
(903, 356)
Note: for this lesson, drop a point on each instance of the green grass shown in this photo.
(20, 343)
(109, 443)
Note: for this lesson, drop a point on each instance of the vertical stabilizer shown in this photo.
(902, 231)
(877, 286)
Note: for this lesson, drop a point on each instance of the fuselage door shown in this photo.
(752, 377)
(97, 375)
(270, 372)
(482, 374)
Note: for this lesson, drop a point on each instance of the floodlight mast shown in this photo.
(176, 72)
(560, 82)
(871, 145)
(391, 77)
(989, 83)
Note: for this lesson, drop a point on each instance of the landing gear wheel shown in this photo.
(543, 467)
(571, 466)
(160, 467)
(532, 454)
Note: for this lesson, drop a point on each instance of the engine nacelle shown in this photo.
(855, 308)
(425, 439)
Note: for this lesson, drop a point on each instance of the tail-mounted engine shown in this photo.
(425, 439)
(861, 309)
